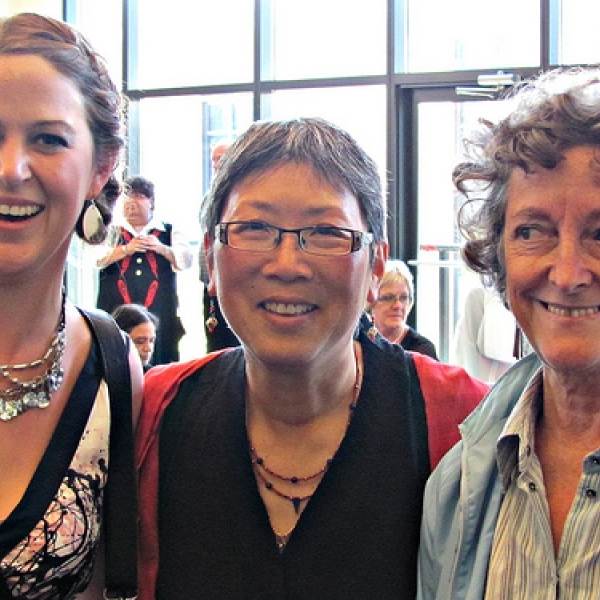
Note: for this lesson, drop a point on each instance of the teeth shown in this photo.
(572, 312)
(18, 211)
(288, 309)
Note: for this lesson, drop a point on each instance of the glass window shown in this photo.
(183, 43)
(579, 42)
(177, 135)
(442, 279)
(336, 38)
(102, 24)
(359, 110)
(472, 34)
(48, 8)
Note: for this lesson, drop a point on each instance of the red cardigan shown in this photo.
(163, 382)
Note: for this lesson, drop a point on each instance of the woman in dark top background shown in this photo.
(395, 299)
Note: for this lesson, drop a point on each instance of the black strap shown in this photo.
(120, 500)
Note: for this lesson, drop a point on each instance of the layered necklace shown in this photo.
(37, 391)
(265, 473)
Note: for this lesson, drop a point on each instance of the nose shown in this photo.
(14, 161)
(288, 260)
(570, 270)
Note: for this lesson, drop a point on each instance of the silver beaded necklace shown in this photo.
(36, 392)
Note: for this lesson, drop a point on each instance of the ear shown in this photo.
(100, 177)
(210, 263)
(381, 255)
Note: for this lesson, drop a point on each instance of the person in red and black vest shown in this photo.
(141, 267)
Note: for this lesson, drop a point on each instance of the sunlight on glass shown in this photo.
(442, 128)
(579, 41)
(185, 43)
(102, 24)
(472, 34)
(359, 110)
(48, 8)
(335, 38)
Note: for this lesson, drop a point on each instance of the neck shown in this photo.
(28, 320)
(302, 396)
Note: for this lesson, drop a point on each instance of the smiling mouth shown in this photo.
(282, 308)
(18, 213)
(570, 312)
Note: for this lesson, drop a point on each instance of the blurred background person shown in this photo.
(486, 338)
(141, 325)
(389, 312)
(216, 329)
(141, 267)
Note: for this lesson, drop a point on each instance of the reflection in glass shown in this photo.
(336, 38)
(472, 34)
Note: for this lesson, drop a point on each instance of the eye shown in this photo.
(532, 233)
(330, 231)
(523, 232)
(251, 229)
(51, 141)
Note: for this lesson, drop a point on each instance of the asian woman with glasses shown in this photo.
(293, 466)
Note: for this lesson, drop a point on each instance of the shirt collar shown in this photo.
(516, 443)
(154, 223)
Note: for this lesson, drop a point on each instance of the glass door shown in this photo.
(442, 120)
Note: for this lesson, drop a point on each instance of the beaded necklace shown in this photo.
(261, 469)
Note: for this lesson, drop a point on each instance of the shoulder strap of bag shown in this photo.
(120, 501)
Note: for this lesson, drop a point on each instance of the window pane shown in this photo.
(177, 135)
(442, 279)
(359, 110)
(579, 42)
(94, 20)
(336, 38)
(48, 8)
(472, 34)
(183, 43)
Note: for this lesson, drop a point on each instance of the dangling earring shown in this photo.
(211, 321)
(90, 224)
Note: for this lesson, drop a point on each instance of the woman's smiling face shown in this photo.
(47, 166)
(287, 305)
(552, 252)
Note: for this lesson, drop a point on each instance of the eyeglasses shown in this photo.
(393, 298)
(324, 240)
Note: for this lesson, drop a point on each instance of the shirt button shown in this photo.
(138, 272)
(139, 260)
(595, 460)
(532, 486)
(590, 493)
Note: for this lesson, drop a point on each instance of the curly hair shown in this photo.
(73, 56)
(556, 111)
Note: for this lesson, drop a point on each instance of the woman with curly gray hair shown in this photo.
(512, 511)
